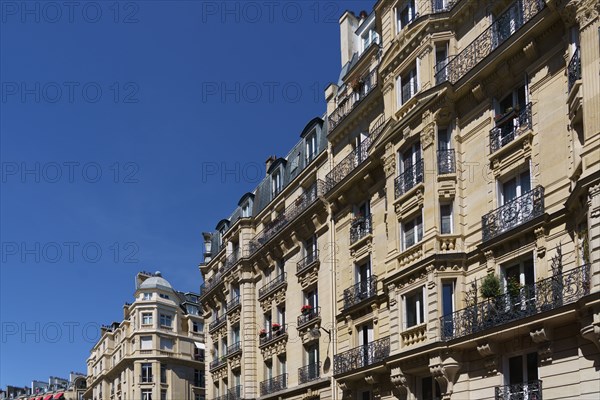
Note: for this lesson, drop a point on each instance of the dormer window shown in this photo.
(275, 183)
(368, 38)
(246, 210)
(311, 147)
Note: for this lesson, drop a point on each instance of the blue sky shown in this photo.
(127, 129)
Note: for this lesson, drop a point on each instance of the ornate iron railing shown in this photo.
(233, 303)
(574, 69)
(544, 295)
(509, 126)
(311, 258)
(309, 315)
(235, 393)
(355, 158)
(360, 227)
(446, 161)
(508, 23)
(218, 362)
(409, 178)
(514, 213)
(361, 356)
(273, 284)
(521, 391)
(218, 321)
(288, 215)
(441, 70)
(230, 261)
(273, 385)
(215, 281)
(438, 6)
(272, 335)
(309, 373)
(348, 103)
(234, 348)
(360, 292)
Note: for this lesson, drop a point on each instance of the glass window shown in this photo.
(275, 184)
(146, 372)
(166, 344)
(405, 14)
(311, 147)
(146, 343)
(163, 373)
(146, 318)
(446, 218)
(146, 394)
(166, 320)
(413, 232)
(147, 296)
(415, 314)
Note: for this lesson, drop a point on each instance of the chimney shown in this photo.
(348, 26)
(362, 16)
(270, 161)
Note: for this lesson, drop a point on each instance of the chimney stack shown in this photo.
(269, 161)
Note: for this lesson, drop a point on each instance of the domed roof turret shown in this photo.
(156, 282)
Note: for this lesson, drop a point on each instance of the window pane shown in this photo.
(446, 216)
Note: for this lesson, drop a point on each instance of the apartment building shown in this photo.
(458, 228)
(156, 352)
(55, 388)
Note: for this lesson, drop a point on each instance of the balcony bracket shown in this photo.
(591, 332)
(400, 382)
(445, 373)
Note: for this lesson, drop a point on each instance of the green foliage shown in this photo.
(490, 286)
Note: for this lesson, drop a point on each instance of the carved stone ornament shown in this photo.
(399, 381)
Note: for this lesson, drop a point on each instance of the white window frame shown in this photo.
(412, 7)
(147, 318)
(449, 204)
(420, 319)
(311, 147)
(276, 184)
(166, 320)
(415, 233)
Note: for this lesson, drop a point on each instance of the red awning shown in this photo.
(48, 397)
(39, 398)
(58, 395)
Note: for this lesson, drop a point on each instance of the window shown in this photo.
(411, 170)
(310, 250)
(415, 313)
(275, 183)
(412, 232)
(366, 288)
(407, 85)
(197, 327)
(198, 378)
(192, 309)
(514, 187)
(146, 373)
(166, 320)
(282, 364)
(311, 298)
(518, 280)
(521, 369)
(281, 316)
(445, 153)
(369, 37)
(246, 210)
(163, 373)
(146, 318)
(446, 218)
(146, 343)
(147, 296)
(312, 361)
(441, 62)
(235, 334)
(405, 14)
(430, 389)
(448, 307)
(365, 336)
(166, 344)
(311, 147)
(163, 296)
(163, 394)
(146, 394)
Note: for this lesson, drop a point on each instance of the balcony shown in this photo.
(509, 126)
(574, 69)
(272, 336)
(438, 6)
(290, 213)
(360, 292)
(350, 101)
(513, 214)
(360, 228)
(234, 348)
(235, 393)
(217, 363)
(273, 385)
(308, 316)
(446, 161)
(230, 261)
(275, 283)
(506, 25)
(311, 259)
(544, 295)
(217, 323)
(233, 303)
(412, 175)
(355, 158)
(309, 373)
(215, 281)
(520, 391)
(361, 356)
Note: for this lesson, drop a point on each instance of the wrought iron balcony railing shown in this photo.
(272, 335)
(218, 362)
(574, 69)
(348, 103)
(544, 295)
(288, 215)
(230, 261)
(441, 70)
(234, 348)
(521, 391)
(360, 227)
(215, 281)
(509, 126)
(233, 303)
(311, 258)
(273, 385)
(275, 283)
(438, 6)
(217, 322)
(514, 213)
(361, 356)
(409, 178)
(507, 24)
(446, 161)
(355, 158)
(360, 292)
(309, 373)
(235, 393)
(309, 315)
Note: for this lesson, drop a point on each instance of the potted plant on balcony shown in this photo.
(276, 327)
(490, 286)
(262, 333)
(306, 309)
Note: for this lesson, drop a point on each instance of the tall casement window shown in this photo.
(410, 168)
(441, 62)
(246, 211)
(310, 250)
(368, 37)
(514, 187)
(522, 371)
(445, 152)
(311, 147)
(146, 394)
(365, 286)
(518, 282)
(414, 308)
(405, 14)
(511, 113)
(163, 373)
(430, 389)
(235, 334)
(412, 231)
(311, 356)
(276, 183)
(147, 319)
(365, 336)
(198, 378)
(146, 343)
(166, 320)
(407, 84)
(446, 223)
(448, 307)
(146, 373)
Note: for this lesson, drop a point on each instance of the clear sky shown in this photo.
(127, 129)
